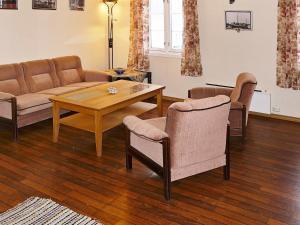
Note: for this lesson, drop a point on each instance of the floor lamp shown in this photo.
(110, 6)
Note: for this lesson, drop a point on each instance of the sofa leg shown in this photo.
(14, 117)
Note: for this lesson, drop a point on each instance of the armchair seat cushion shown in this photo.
(33, 102)
(85, 84)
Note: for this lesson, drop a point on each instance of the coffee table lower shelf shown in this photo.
(111, 120)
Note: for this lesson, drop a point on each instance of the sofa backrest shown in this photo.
(68, 69)
(197, 130)
(40, 75)
(12, 79)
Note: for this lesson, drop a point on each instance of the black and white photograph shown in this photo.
(77, 5)
(8, 4)
(44, 4)
(238, 20)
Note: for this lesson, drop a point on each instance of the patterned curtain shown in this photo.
(139, 35)
(287, 41)
(191, 60)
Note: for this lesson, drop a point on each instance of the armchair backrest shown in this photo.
(244, 90)
(12, 79)
(197, 130)
(68, 69)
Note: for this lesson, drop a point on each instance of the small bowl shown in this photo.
(119, 71)
(112, 90)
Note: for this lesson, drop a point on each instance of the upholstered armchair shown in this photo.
(240, 96)
(192, 139)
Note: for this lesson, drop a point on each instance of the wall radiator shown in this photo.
(261, 101)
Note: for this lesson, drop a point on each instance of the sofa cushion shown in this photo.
(86, 84)
(59, 90)
(32, 102)
(69, 69)
(12, 79)
(40, 75)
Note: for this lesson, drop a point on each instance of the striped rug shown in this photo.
(38, 211)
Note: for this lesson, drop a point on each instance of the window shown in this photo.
(166, 25)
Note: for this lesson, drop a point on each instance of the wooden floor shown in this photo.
(264, 186)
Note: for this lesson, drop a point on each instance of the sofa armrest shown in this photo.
(91, 76)
(6, 96)
(144, 129)
(206, 92)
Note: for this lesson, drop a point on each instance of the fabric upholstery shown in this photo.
(197, 131)
(5, 96)
(12, 79)
(5, 110)
(144, 129)
(40, 75)
(32, 102)
(95, 76)
(203, 123)
(242, 79)
(59, 90)
(206, 92)
(69, 69)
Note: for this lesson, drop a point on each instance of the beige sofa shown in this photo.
(25, 88)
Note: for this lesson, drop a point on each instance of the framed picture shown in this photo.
(77, 5)
(238, 20)
(44, 4)
(8, 4)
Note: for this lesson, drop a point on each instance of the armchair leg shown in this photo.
(128, 155)
(166, 168)
(15, 130)
(244, 123)
(128, 161)
(226, 168)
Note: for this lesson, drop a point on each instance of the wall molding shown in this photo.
(270, 116)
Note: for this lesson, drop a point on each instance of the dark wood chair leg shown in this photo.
(166, 168)
(226, 168)
(14, 117)
(128, 155)
(244, 112)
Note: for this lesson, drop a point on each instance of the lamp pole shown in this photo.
(110, 6)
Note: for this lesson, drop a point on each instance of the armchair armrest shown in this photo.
(144, 129)
(237, 105)
(206, 92)
(6, 96)
(91, 76)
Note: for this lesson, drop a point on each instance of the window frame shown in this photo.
(167, 51)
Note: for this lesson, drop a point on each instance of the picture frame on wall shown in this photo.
(238, 20)
(8, 4)
(77, 5)
(44, 4)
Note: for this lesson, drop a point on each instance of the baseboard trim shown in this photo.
(270, 116)
(277, 117)
(173, 99)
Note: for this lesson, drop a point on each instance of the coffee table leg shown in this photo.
(159, 104)
(98, 133)
(56, 118)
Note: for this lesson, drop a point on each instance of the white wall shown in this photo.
(225, 53)
(28, 34)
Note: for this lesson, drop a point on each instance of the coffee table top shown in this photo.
(98, 97)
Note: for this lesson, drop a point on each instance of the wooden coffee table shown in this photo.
(98, 111)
